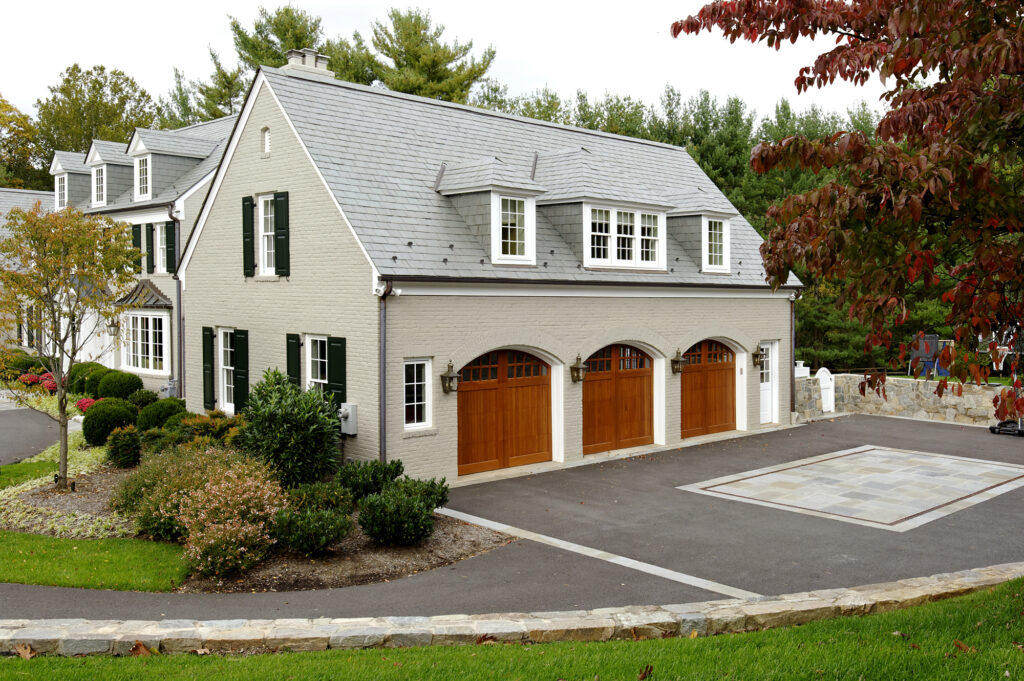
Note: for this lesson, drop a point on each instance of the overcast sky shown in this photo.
(619, 48)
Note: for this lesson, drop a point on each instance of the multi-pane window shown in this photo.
(716, 243)
(267, 236)
(62, 191)
(417, 397)
(161, 247)
(625, 232)
(100, 196)
(766, 364)
(227, 368)
(316, 364)
(648, 237)
(145, 345)
(513, 226)
(143, 177)
(600, 228)
(637, 239)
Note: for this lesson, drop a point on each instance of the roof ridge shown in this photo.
(26, 191)
(325, 80)
(200, 123)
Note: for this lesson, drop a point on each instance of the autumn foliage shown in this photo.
(936, 199)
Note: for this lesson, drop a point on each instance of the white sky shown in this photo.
(595, 46)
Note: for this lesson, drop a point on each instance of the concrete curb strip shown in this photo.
(71, 637)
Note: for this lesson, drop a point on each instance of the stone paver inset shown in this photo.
(893, 489)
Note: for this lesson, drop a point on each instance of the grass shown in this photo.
(120, 564)
(919, 643)
(17, 473)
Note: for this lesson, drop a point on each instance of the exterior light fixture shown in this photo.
(450, 379)
(578, 371)
(113, 326)
(757, 357)
(678, 362)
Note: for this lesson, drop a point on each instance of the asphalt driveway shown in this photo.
(24, 432)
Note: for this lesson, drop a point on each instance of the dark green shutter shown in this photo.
(294, 358)
(150, 255)
(282, 260)
(137, 242)
(248, 242)
(208, 398)
(336, 368)
(241, 370)
(172, 265)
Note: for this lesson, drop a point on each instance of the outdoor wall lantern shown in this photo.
(578, 371)
(678, 362)
(756, 357)
(113, 326)
(450, 379)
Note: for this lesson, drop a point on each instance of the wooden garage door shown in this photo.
(504, 412)
(709, 389)
(618, 399)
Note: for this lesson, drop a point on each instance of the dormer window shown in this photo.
(618, 237)
(61, 191)
(513, 229)
(142, 183)
(99, 196)
(715, 244)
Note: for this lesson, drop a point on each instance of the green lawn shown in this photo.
(920, 643)
(17, 473)
(121, 564)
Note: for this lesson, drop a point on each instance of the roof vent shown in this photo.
(307, 60)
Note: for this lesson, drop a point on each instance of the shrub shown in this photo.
(433, 492)
(124, 447)
(229, 520)
(143, 398)
(76, 377)
(103, 417)
(364, 478)
(294, 431)
(92, 381)
(118, 384)
(311, 531)
(16, 364)
(176, 418)
(216, 426)
(154, 415)
(84, 404)
(28, 379)
(395, 517)
(325, 496)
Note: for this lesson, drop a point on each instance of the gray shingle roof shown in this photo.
(20, 198)
(112, 152)
(71, 162)
(146, 294)
(379, 152)
(174, 144)
(488, 172)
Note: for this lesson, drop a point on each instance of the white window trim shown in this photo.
(58, 180)
(706, 266)
(612, 261)
(428, 393)
(265, 141)
(98, 202)
(139, 195)
(773, 373)
(308, 340)
(530, 207)
(226, 405)
(261, 249)
(126, 343)
(160, 248)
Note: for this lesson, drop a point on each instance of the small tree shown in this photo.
(71, 270)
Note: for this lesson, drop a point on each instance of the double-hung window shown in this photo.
(513, 226)
(715, 244)
(161, 247)
(145, 347)
(513, 238)
(266, 235)
(62, 192)
(142, 173)
(99, 187)
(417, 393)
(316, 362)
(623, 238)
(227, 370)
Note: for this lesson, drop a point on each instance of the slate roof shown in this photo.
(172, 143)
(379, 152)
(72, 162)
(20, 198)
(112, 152)
(487, 172)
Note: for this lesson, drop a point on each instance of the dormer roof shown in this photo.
(169, 142)
(68, 162)
(580, 174)
(103, 151)
(489, 173)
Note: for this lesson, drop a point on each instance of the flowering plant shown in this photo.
(28, 379)
(84, 403)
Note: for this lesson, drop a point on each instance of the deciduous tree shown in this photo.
(20, 161)
(937, 196)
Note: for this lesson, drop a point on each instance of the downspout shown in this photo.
(792, 353)
(179, 316)
(382, 398)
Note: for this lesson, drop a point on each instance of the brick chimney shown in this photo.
(307, 60)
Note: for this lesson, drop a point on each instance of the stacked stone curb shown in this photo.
(71, 637)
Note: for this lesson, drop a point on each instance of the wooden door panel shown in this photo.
(721, 400)
(635, 419)
(528, 428)
(479, 426)
(598, 408)
(708, 388)
(618, 400)
(693, 394)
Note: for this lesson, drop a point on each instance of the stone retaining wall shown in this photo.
(906, 397)
(108, 637)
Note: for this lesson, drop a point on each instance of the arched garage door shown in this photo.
(618, 399)
(709, 389)
(504, 412)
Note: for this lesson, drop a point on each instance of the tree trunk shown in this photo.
(62, 421)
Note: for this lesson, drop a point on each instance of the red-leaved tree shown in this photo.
(937, 198)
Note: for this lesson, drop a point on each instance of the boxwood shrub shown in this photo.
(364, 478)
(433, 492)
(329, 496)
(92, 381)
(395, 517)
(103, 417)
(154, 415)
(119, 384)
(143, 398)
(124, 447)
(311, 531)
(77, 376)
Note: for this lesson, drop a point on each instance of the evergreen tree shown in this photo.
(273, 34)
(178, 109)
(224, 92)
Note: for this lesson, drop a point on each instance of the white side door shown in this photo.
(769, 382)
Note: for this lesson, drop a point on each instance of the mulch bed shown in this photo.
(91, 495)
(359, 560)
